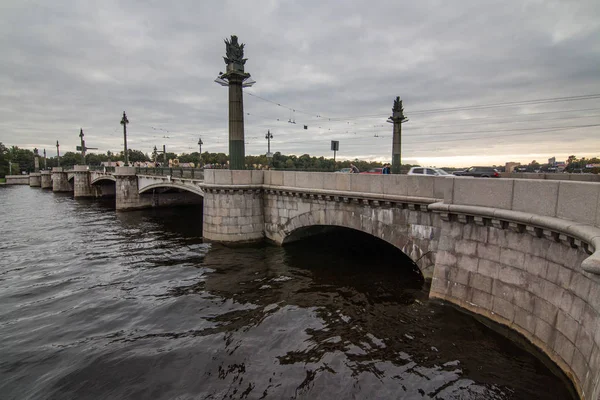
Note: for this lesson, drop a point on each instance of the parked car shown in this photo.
(480, 172)
(374, 171)
(344, 171)
(427, 171)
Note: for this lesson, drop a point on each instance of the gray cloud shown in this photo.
(73, 65)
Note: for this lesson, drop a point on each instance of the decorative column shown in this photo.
(235, 78)
(397, 119)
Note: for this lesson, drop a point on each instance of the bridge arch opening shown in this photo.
(346, 249)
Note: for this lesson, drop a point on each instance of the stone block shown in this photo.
(539, 247)
(513, 276)
(525, 320)
(584, 343)
(535, 196)
(579, 365)
(420, 186)
(544, 310)
(442, 187)
(503, 308)
(593, 297)
(496, 236)
(481, 299)
(329, 181)
(440, 285)
(523, 299)
(289, 179)
(311, 180)
(241, 177)
(580, 285)
(495, 193)
(544, 331)
(468, 263)
(446, 243)
(480, 282)
(458, 291)
(446, 258)
(276, 178)
(458, 275)
(466, 247)
(536, 266)
(502, 290)
(564, 348)
(566, 301)
(398, 185)
(512, 258)
(222, 177)
(578, 308)
(488, 252)
(488, 268)
(475, 232)
(551, 293)
(578, 201)
(567, 325)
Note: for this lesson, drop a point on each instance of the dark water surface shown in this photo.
(99, 304)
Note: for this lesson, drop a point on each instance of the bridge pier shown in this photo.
(82, 186)
(60, 180)
(127, 192)
(35, 179)
(233, 206)
(46, 180)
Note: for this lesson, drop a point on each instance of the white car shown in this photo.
(428, 171)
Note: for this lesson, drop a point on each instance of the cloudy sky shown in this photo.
(333, 66)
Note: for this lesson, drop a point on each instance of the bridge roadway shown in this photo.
(521, 252)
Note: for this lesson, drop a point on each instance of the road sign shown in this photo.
(79, 148)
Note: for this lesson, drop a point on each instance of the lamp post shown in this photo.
(397, 119)
(200, 150)
(124, 122)
(269, 136)
(235, 78)
(82, 146)
(57, 154)
(45, 160)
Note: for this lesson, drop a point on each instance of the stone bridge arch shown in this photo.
(414, 230)
(172, 185)
(103, 178)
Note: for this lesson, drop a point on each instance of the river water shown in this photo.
(96, 304)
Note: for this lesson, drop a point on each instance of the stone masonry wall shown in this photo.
(533, 285)
(46, 180)
(233, 215)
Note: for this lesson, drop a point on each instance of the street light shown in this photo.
(57, 154)
(124, 122)
(200, 150)
(269, 136)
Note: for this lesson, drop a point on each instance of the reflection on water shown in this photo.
(98, 304)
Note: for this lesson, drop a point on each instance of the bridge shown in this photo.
(521, 252)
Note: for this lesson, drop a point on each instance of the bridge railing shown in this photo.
(101, 168)
(189, 173)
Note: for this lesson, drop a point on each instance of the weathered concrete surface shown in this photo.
(17, 179)
(60, 180)
(46, 180)
(35, 179)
